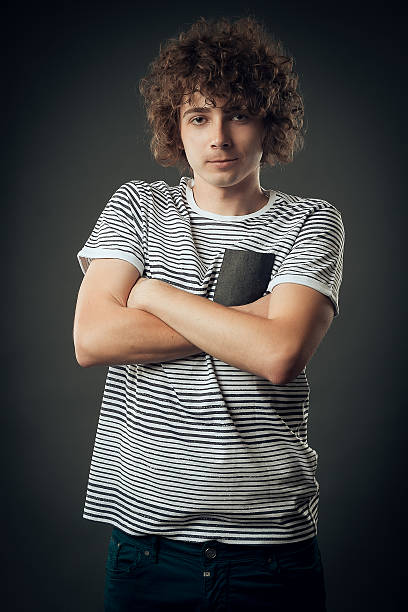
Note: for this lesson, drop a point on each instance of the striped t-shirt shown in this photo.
(195, 449)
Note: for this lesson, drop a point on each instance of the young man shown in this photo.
(207, 300)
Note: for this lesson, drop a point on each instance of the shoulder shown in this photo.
(307, 204)
(310, 211)
(138, 191)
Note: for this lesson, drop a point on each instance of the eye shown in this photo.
(195, 118)
(243, 117)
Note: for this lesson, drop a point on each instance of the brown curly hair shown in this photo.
(239, 61)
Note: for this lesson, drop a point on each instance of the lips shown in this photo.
(219, 161)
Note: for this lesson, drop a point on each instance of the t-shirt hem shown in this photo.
(227, 540)
(309, 282)
(86, 254)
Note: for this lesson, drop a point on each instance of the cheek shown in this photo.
(192, 145)
(257, 146)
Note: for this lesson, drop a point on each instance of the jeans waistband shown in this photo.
(210, 550)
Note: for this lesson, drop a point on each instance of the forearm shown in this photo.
(129, 335)
(246, 341)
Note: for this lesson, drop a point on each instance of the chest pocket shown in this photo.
(243, 277)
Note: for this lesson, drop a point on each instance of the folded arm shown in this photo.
(274, 337)
(276, 347)
(106, 332)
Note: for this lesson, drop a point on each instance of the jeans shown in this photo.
(153, 573)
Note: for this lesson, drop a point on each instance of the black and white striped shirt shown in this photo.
(195, 449)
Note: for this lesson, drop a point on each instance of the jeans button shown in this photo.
(210, 553)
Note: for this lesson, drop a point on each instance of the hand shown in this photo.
(138, 294)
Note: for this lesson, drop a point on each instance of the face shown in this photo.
(213, 134)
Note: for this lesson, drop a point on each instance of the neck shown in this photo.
(242, 198)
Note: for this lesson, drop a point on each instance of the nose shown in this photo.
(220, 137)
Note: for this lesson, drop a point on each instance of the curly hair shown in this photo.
(238, 61)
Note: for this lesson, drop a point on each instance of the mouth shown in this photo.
(221, 163)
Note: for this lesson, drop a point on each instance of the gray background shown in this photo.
(75, 131)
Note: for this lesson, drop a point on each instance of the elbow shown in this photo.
(279, 378)
(83, 358)
(285, 370)
(83, 354)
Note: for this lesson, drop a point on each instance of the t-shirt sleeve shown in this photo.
(118, 232)
(316, 258)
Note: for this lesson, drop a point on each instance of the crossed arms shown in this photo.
(122, 319)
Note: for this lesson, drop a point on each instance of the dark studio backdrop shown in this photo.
(75, 131)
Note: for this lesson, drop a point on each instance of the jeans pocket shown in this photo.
(123, 557)
(304, 557)
(113, 548)
(301, 576)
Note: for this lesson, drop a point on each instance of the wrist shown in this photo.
(153, 294)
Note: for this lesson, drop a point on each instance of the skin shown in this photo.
(220, 133)
(238, 338)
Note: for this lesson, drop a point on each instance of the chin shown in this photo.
(221, 179)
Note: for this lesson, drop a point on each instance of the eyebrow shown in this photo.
(207, 109)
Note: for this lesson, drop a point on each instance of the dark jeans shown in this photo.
(152, 573)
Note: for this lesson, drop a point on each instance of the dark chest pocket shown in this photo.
(244, 277)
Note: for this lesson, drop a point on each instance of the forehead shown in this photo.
(197, 99)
